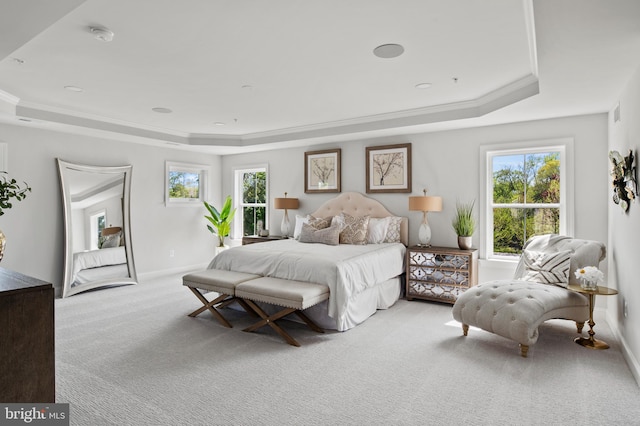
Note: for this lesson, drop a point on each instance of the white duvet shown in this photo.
(98, 258)
(346, 269)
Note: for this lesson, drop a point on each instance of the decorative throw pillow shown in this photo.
(319, 223)
(329, 236)
(393, 230)
(377, 231)
(355, 229)
(109, 241)
(547, 268)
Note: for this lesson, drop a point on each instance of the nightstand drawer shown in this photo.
(440, 260)
(439, 276)
(434, 291)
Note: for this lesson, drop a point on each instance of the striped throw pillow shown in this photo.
(547, 268)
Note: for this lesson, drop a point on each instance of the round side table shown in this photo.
(591, 342)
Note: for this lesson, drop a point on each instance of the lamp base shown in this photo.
(424, 234)
(285, 227)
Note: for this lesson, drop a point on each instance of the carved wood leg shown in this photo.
(579, 326)
(523, 350)
(465, 329)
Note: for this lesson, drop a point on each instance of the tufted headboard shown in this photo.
(356, 204)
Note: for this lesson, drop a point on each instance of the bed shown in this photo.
(106, 263)
(362, 278)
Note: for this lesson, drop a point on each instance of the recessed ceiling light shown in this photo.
(74, 88)
(219, 123)
(388, 51)
(101, 33)
(423, 85)
(161, 110)
(247, 86)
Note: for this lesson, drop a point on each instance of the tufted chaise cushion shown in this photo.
(515, 308)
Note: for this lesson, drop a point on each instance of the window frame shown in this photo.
(237, 231)
(94, 227)
(201, 169)
(566, 206)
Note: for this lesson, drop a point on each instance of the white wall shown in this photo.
(624, 231)
(447, 164)
(35, 226)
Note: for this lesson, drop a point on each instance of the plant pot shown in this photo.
(465, 242)
(220, 249)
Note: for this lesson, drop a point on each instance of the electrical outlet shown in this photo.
(625, 308)
(172, 253)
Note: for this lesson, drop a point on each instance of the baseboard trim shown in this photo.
(164, 272)
(629, 357)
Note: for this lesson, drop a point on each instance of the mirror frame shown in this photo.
(63, 166)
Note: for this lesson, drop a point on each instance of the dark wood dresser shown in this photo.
(27, 341)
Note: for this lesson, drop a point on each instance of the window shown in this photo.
(527, 193)
(97, 222)
(186, 183)
(251, 195)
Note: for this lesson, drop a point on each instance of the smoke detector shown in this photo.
(102, 34)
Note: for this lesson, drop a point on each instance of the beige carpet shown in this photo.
(131, 356)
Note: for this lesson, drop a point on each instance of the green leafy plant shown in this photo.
(463, 222)
(9, 189)
(220, 220)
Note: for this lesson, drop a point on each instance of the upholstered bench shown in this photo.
(515, 308)
(219, 281)
(294, 296)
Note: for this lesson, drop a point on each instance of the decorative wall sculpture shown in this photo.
(623, 171)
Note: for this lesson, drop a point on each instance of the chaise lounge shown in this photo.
(515, 308)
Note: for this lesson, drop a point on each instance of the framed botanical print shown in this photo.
(322, 171)
(388, 168)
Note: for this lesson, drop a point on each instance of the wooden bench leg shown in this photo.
(240, 302)
(210, 305)
(312, 325)
(270, 320)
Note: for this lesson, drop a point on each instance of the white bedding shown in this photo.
(98, 258)
(347, 270)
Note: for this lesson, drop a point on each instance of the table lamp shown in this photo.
(286, 204)
(425, 204)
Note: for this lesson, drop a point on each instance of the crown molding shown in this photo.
(506, 95)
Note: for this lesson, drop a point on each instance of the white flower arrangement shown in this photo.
(589, 276)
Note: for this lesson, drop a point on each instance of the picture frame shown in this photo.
(388, 168)
(322, 171)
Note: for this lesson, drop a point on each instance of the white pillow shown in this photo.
(377, 231)
(338, 221)
(300, 220)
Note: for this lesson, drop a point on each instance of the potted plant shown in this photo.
(220, 220)
(9, 189)
(464, 224)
